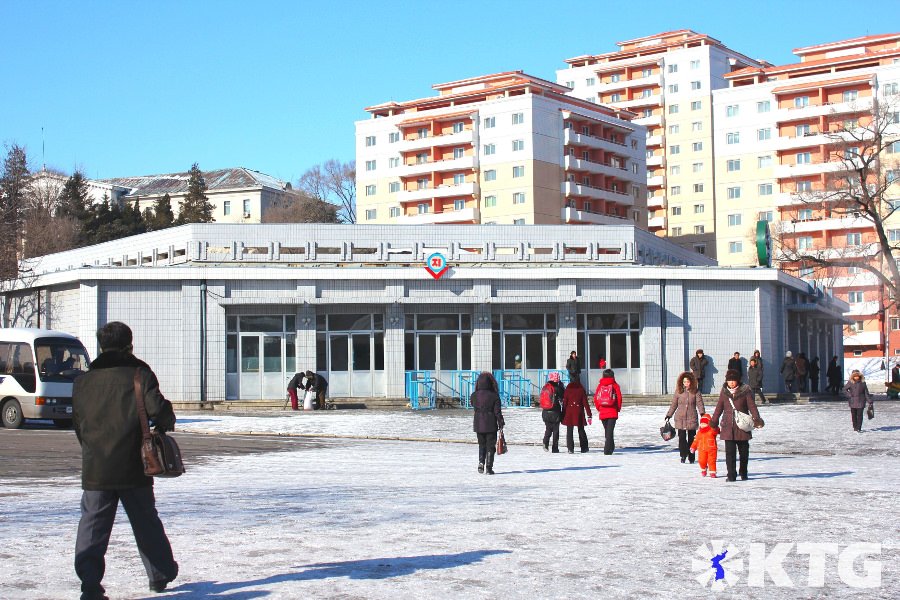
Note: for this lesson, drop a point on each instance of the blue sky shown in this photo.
(131, 88)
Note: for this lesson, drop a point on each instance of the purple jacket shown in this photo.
(743, 401)
(857, 393)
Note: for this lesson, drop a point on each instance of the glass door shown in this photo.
(361, 376)
(250, 368)
(273, 386)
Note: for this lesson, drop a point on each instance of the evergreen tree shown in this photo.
(74, 200)
(195, 207)
(162, 216)
(14, 182)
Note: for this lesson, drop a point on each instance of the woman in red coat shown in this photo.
(575, 406)
(608, 400)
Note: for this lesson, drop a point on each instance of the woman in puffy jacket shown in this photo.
(575, 407)
(857, 393)
(685, 406)
(488, 419)
(736, 439)
(608, 400)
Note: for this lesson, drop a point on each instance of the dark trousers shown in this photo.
(814, 384)
(856, 415)
(551, 430)
(685, 439)
(789, 385)
(98, 512)
(801, 380)
(758, 392)
(582, 438)
(609, 426)
(487, 446)
(733, 447)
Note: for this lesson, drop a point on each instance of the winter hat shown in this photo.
(554, 376)
(788, 354)
(705, 419)
(732, 375)
(602, 363)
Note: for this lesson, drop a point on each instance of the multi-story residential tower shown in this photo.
(501, 148)
(667, 79)
(778, 149)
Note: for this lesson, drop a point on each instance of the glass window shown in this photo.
(519, 118)
(532, 321)
(250, 354)
(731, 110)
(448, 360)
(262, 323)
(321, 352)
(362, 358)
(734, 164)
(763, 107)
(290, 353)
(489, 122)
(696, 105)
(437, 322)
(231, 353)
(734, 220)
(518, 145)
(349, 322)
(764, 134)
(379, 351)
(340, 359)
(226, 207)
(272, 354)
(489, 149)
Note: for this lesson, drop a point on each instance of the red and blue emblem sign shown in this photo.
(436, 265)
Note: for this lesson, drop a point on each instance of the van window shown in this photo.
(17, 361)
(60, 359)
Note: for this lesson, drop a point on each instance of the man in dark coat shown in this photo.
(698, 366)
(319, 385)
(488, 419)
(106, 423)
(735, 364)
(789, 371)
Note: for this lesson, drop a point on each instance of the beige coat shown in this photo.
(685, 406)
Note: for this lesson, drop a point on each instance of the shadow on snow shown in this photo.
(780, 475)
(586, 468)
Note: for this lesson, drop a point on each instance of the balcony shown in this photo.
(802, 141)
(652, 100)
(572, 215)
(806, 169)
(656, 223)
(571, 189)
(823, 224)
(571, 138)
(445, 191)
(466, 215)
(656, 202)
(654, 140)
(655, 80)
(863, 338)
(859, 309)
(656, 181)
(451, 139)
(656, 161)
(570, 163)
(654, 121)
(786, 115)
(861, 279)
(453, 164)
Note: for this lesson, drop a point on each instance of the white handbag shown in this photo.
(741, 419)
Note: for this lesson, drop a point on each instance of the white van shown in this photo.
(37, 369)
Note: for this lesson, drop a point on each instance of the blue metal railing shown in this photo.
(421, 390)
(517, 388)
(465, 385)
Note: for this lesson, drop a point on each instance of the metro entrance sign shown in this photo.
(436, 265)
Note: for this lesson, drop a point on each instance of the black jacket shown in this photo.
(486, 402)
(296, 381)
(573, 367)
(106, 422)
(554, 415)
(316, 383)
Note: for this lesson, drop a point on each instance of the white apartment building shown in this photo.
(506, 148)
(667, 79)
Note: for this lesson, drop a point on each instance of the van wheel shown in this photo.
(12, 415)
(63, 423)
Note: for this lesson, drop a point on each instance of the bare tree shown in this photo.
(45, 230)
(301, 208)
(333, 182)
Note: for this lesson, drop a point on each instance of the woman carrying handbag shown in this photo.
(735, 402)
(687, 405)
(488, 419)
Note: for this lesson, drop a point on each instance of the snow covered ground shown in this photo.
(389, 518)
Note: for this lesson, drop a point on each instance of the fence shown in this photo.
(517, 388)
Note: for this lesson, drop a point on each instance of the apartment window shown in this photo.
(695, 85)
(675, 170)
(519, 171)
(489, 122)
(518, 118)
(459, 152)
(891, 89)
(764, 161)
(735, 247)
(695, 64)
(892, 148)
(422, 208)
(518, 221)
(646, 73)
(647, 112)
(459, 127)
(673, 109)
(801, 130)
(646, 93)
(394, 211)
(490, 175)
(394, 162)
(394, 187)
(855, 297)
(805, 272)
(805, 214)
(421, 158)
(804, 186)
(893, 117)
(614, 78)
(570, 85)
(676, 211)
(226, 207)
(489, 149)
(700, 229)
(854, 239)
(731, 110)
(615, 97)
(765, 189)
(699, 209)
(247, 204)
(676, 231)
(459, 204)
(672, 129)
(764, 134)
(697, 146)
(422, 132)
(649, 153)
(733, 164)
(518, 145)
(422, 184)
(370, 190)
(590, 81)
(733, 137)
(676, 149)
(394, 137)
(766, 215)
(763, 106)
(850, 96)
(892, 175)
(804, 243)
(490, 201)
(675, 190)
(697, 126)
(804, 158)
(895, 323)
(734, 192)
(801, 101)
(673, 68)
(734, 220)
(585, 155)
(370, 165)
(588, 207)
(673, 88)
(459, 178)
(851, 152)
(697, 167)
(370, 140)
(370, 214)
(519, 198)
(696, 105)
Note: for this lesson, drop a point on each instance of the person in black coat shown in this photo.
(834, 376)
(319, 385)
(573, 366)
(735, 364)
(488, 419)
(552, 416)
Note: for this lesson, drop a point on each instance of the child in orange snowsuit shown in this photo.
(706, 446)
